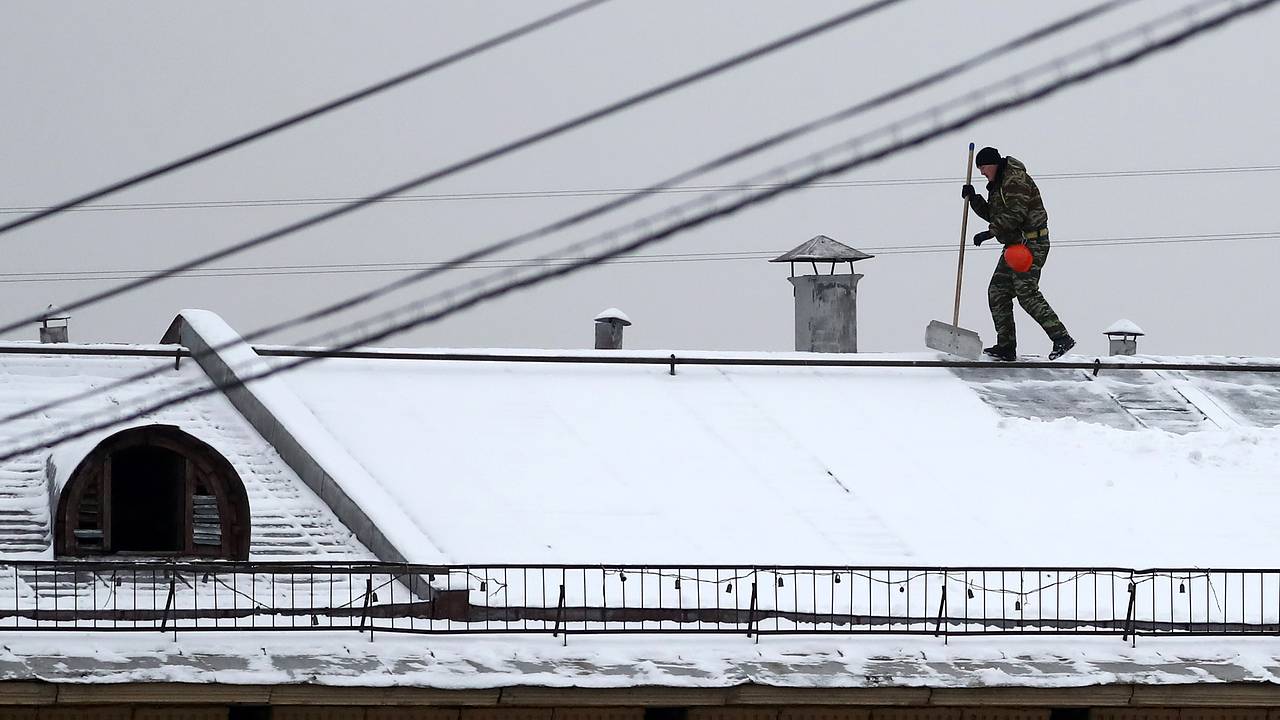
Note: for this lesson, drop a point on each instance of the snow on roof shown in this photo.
(288, 520)
(1123, 327)
(378, 510)
(506, 461)
(561, 462)
(458, 663)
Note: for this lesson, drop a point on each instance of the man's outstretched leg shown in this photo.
(1027, 288)
(1000, 294)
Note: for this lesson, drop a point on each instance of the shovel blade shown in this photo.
(947, 338)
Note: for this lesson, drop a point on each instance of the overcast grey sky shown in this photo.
(95, 91)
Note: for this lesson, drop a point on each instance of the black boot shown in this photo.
(999, 352)
(1061, 346)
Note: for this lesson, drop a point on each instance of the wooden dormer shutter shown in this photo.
(89, 534)
(206, 518)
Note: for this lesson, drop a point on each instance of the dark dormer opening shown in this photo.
(153, 490)
(147, 508)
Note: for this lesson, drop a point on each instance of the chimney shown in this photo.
(609, 324)
(826, 304)
(53, 325)
(1123, 335)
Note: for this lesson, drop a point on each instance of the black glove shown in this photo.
(982, 237)
(967, 191)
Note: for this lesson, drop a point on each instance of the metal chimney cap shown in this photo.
(821, 248)
(613, 315)
(1123, 327)
(53, 312)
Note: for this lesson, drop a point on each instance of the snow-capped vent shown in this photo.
(53, 325)
(826, 304)
(1124, 335)
(609, 325)
(1123, 327)
(613, 314)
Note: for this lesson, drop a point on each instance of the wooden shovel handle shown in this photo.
(964, 231)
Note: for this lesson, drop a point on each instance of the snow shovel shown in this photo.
(952, 338)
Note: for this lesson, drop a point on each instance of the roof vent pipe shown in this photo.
(609, 325)
(53, 325)
(1123, 335)
(826, 302)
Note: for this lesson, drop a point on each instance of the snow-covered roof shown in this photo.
(565, 462)
(488, 457)
(707, 663)
(1123, 327)
(492, 459)
(288, 520)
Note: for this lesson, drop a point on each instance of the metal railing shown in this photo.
(672, 361)
(577, 599)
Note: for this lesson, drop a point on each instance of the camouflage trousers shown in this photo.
(1007, 285)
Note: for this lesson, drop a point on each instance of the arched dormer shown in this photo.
(153, 490)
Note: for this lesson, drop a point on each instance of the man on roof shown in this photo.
(1016, 213)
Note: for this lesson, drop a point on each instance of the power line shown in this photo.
(898, 143)
(373, 294)
(723, 160)
(727, 255)
(476, 160)
(301, 117)
(608, 192)
(1119, 242)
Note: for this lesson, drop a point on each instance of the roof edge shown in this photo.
(302, 441)
(1138, 688)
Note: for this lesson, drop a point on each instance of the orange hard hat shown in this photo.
(1018, 257)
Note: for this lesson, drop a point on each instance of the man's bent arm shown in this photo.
(980, 206)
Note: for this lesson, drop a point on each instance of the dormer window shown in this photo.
(155, 491)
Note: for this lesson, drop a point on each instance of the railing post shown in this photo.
(1130, 621)
(942, 611)
(364, 611)
(168, 605)
(560, 616)
(751, 614)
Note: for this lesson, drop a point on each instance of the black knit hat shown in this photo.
(987, 156)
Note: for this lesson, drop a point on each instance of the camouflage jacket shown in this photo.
(1013, 205)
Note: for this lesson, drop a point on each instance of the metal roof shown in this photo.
(822, 249)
